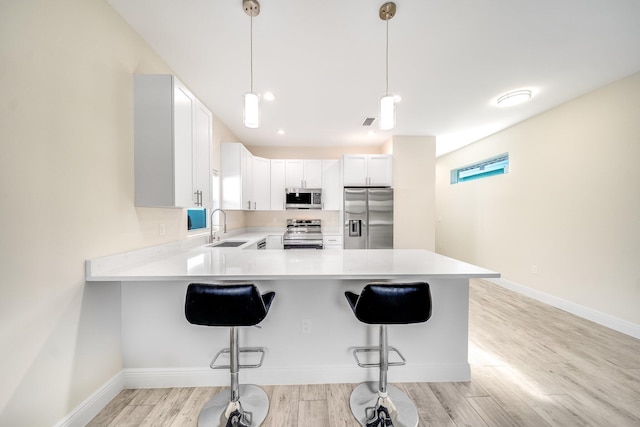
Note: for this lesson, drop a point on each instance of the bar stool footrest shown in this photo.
(260, 350)
(357, 350)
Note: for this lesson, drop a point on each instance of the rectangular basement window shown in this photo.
(497, 165)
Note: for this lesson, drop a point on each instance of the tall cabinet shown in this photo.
(172, 143)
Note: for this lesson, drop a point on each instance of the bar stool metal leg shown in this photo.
(386, 406)
(239, 405)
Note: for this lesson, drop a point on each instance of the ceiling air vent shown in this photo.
(368, 121)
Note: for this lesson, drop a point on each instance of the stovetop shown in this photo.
(303, 234)
(303, 226)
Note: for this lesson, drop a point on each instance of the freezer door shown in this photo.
(380, 202)
(355, 218)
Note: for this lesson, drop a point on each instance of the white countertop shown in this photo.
(194, 260)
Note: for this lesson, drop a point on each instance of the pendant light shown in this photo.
(387, 102)
(251, 115)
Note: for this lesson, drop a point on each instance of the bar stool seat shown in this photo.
(233, 306)
(382, 404)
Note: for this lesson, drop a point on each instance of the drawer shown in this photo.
(332, 240)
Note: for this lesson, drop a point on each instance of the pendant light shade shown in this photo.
(387, 102)
(251, 110)
(387, 112)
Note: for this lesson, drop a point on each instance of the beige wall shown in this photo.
(570, 204)
(414, 159)
(66, 185)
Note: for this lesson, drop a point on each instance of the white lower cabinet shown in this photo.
(332, 241)
(275, 241)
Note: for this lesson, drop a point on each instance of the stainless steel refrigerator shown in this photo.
(368, 218)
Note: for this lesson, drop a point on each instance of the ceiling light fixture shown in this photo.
(268, 96)
(514, 98)
(251, 100)
(387, 102)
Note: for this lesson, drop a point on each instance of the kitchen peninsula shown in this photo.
(310, 330)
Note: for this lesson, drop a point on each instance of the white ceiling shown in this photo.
(448, 60)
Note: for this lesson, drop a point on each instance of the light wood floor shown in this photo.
(532, 365)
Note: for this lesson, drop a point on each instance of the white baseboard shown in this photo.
(611, 322)
(90, 407)
(201, 377)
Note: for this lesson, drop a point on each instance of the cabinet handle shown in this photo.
(249, 204)
(254, 206)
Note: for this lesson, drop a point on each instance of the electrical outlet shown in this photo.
(161, 230)
(305, 326)
(534, 269)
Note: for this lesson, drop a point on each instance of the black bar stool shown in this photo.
(382, 404)
(231, 305)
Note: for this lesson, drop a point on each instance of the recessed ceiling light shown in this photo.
(513, 98)
(269, 96)
(281, 132)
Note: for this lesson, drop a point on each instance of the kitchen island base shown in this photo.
(309, 336)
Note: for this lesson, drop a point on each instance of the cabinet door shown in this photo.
(246, 162)
(380, 170)
(202, 157)
(294, 170)
(275, 241)
(183, 109)
(231, 175)
(331, 185)
(312, 173)
(261, 184)
(355, 170)
(332, 241)
(278, 184)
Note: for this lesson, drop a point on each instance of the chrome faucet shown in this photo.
(224, 226)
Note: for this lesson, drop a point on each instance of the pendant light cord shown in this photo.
(387, 59)
(251, 51)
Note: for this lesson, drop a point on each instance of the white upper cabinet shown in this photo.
(236, 176)
(278, 184)
(245, 178)
(331, 185)
(367, 170)
(203, 135)
(261, 184)
(172, 134)
(303, 173)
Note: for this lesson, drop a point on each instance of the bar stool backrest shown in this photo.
(393, 303)
(226, 305)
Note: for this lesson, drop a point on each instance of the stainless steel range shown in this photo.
(303, 234)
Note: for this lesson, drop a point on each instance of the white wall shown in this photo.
(66, 186)
(570, 204)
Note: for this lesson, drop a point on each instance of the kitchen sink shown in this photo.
(228, 244)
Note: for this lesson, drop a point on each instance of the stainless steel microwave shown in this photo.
(303, 198)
